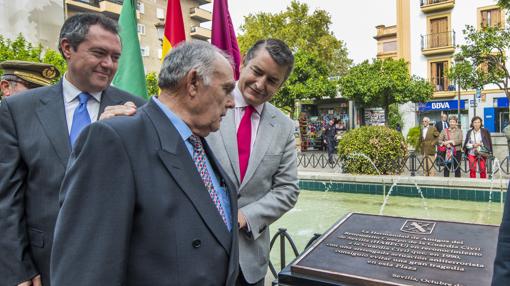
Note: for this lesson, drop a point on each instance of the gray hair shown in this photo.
(425, 118)
(277, 49)
(453, 117)
(186, 56)
(76, 28)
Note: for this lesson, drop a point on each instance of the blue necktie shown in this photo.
(81, 117)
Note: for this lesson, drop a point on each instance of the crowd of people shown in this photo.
(444, 144)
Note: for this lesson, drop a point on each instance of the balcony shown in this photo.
(110, 8)
(438, 43)
(430, 6)
(200, 15)
(203, 2)
(442, 87)
(200, 33)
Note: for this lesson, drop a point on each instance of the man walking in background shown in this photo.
(256, 147)
(428, 141)
(38, 128)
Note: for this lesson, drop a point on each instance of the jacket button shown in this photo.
(196, 243)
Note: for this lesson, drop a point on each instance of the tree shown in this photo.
(482, 59)
(152, 83)
(382, 83)
(21, 49)
(309, 36)
(308, 80)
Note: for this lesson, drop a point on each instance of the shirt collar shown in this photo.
(178, 123)
(71, 91)
(241, 103)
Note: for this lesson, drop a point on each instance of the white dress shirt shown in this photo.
(71, 101)
(240, 106)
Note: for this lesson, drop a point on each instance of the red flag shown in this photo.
(174, 26)
(223, 34)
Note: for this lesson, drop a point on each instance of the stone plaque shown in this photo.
(366, 249)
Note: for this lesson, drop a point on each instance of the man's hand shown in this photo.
(241, 219)
(36, 281)
(128, 109)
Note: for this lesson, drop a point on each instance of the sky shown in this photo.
(349, 24)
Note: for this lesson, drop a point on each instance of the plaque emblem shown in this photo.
(418, 226)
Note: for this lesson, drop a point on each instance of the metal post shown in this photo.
(282, 247)
(458, 99)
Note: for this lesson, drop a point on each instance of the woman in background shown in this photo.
(451, 138)
(478, 146)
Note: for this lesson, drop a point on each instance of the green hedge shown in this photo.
(384, 146)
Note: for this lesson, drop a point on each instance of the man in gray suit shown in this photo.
(144, 200)
(256, 146)
(36, 132)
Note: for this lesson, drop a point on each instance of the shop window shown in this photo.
(491, 18)
(438, 75)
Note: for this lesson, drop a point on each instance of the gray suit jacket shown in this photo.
(34, 149)
(136, 212)
(270, 186)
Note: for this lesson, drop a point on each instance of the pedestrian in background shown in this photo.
(428, 141)
(19, 76)
(451, 138)
(330, 139)
(478, 147)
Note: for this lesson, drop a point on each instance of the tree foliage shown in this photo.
(382, 83)
(151, 80)
(319, 55)
(384, 146)
(482, 59)
(21, 49)
(309, 80)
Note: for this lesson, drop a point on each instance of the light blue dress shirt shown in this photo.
(185, 133)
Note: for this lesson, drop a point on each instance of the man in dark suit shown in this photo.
(144, 200)
(501, 274)
(443, 123)
(37, 128)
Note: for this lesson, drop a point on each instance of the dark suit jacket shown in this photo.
(136, 212)
(34, 148)
(501, 276)
(439, 125)
(486, 139)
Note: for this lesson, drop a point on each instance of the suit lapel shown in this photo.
(264, 138)
(52, 116)
(108, 99)
(175, 157)
(229, 136)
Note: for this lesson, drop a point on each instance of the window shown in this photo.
(439, 35)
(490, 18)
(160, 53)
(140, 7)
(145, 51)
(438, 75)
(390, 46)
(160, 13)
(141, 29)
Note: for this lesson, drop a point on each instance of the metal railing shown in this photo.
(412, 165)
(430, 2)
(438, 40)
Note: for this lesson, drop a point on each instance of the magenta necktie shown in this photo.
(244, 140)
(199, 158)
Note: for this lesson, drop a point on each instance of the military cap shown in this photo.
(37, 74)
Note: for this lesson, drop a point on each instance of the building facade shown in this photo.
(428, 33)
(151, 20)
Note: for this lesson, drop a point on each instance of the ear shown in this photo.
(66, 48)
(192, 80)
(4, 88)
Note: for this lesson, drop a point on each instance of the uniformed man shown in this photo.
(22, 75)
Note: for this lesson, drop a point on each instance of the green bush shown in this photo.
(413, 138)
(384, 146)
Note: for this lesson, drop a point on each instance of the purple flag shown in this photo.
(223, 34)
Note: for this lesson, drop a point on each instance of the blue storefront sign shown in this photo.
(501, 102)
(441, 105)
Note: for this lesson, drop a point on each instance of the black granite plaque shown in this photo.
(366, 249)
